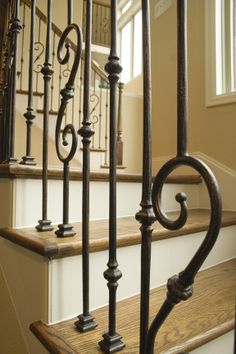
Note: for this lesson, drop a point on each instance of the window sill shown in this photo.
(218, 100)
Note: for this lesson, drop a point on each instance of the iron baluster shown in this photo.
(106, 128)
(22, 49)
(100, 26)
(65, 229)
(44, 224)
(112, 340)
(66, 73)
(85, 320)
(119, 127)
(80, 92)
(73, 111)
(53, 65)
(60, 79)
(100, 120)
(179, 287)
(96, 24)
(6, 93)
(146, 216)
(15, 31)
(69, 11)
(29, 114)
(40, 48)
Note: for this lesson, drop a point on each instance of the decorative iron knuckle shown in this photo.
(29, 114)
(146, 215)
(86, 131)
(112, 275)
(177, 291)
(47, 70)
(113, 66)
(68, 92)
(16, 26)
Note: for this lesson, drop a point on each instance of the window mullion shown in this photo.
(227, 45)
(132, 48)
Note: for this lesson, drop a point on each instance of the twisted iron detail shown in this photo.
(67, 93)
(180, 286)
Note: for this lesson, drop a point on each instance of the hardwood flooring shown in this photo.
(207, 315)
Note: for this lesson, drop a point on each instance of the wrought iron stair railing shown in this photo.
(99, 95)
(179, 287)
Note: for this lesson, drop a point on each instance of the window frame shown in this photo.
(123, 20)
(211, 97)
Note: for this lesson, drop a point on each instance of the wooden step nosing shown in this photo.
(203, 338)
(21, 171)
(49, 337)
(72, 246)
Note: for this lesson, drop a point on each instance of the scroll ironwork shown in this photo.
(179, 287)
(67, 94)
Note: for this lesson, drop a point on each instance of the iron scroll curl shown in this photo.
(180, 286)
(67, 93)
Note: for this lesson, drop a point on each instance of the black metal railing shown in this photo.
(179, 287)
(33, 31)
(79, 117)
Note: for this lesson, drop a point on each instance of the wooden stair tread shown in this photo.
(48, 245)
(207, 315)
(35, 172)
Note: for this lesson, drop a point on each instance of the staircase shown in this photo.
(55, 298)
(54, 266)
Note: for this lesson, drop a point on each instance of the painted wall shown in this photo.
(11, 334)
(211, 130)
(57, 11)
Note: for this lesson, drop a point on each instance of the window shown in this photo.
(220, 51)
(126, 6)
(130, 29)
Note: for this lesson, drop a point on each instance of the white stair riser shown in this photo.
(220, 345)
(168, 258)
(28, 199)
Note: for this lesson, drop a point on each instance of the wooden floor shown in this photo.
(208, 314)
(48, 245)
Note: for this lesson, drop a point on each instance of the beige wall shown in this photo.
(59, 8)
(211, 130)
(132, 132)
(12, 339)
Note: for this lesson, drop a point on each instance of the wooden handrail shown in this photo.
(58, 32)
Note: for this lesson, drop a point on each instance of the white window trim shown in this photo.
(125, 18)
(210, 61)
(122, 22)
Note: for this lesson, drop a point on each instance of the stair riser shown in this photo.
(168, 258)
(223, 344)
(28, 199)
